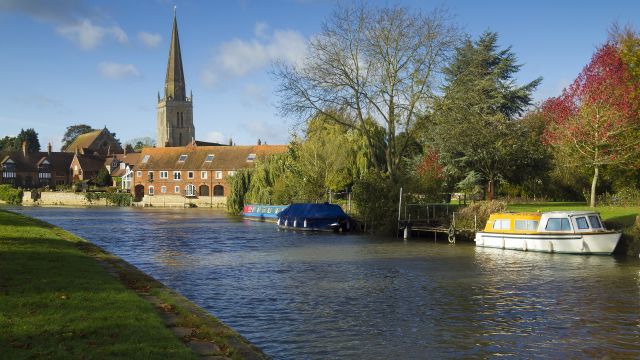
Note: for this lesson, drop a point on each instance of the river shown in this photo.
(318, 296)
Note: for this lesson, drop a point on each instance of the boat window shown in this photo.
(530, 225)
(558, 224)
(501, 224)
(582, 223)
(595, 222)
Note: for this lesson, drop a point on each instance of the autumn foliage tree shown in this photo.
(594, 122)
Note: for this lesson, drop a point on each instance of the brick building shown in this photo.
(193, 171)
(35, 169)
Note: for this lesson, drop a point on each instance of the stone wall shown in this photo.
(55, 198)
(58, 198)
(181, 201)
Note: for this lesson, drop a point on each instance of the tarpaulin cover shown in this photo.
(312, 211)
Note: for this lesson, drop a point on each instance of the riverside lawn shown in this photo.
(56, 301)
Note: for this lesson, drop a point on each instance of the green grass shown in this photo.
(57, 302)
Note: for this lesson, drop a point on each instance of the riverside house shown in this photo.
(192, 173)
(35, 169)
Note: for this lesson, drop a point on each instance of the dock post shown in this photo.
(407, 232)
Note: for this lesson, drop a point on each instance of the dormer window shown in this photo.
(251, 157)
(145, 159)
(209, 158)
(182, 158)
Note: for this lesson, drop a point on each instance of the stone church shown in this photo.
(175, 109)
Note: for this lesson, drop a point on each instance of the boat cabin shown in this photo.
(548, 222)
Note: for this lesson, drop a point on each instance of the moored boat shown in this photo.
(314, 217)
(572, 232)
(262, 212)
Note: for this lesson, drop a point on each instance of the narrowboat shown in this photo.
(571, 232)
(314, 217)
(262, 212)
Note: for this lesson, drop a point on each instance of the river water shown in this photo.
(318, 296)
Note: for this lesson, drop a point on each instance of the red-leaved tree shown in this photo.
(594, 122)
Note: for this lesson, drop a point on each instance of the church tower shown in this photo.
(175, 110)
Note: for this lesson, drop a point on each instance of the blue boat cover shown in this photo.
(312, 211)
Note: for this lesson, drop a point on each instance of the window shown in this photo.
(163, 189)
(203, 174)
(502, 224)
(190, 190)
(527, 225)
(251, 157)
(595, 222)
(177, 175)
(150, 175)
(190, 174)
(218, 190)
(164, 174)
(231, 173)
(138, 173)
(558, 224)
(176, 189)
(183, 157)
(582, 223)
(145, 159)
(150, 190)
(209, 158)
(218, 174)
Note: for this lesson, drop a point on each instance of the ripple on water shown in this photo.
(325, 295)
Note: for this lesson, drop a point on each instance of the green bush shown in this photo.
(375, 199)
(117, 199)
(10, 195)
(477, 214)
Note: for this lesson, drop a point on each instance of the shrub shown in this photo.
(10, 195)
(117, 199)
(375, 199)
(479, 211)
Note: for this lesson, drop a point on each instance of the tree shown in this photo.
(594, 122)
(367, 63)
(8, 143)
(31, 137)
(473, 126)
(138, 144)
(73, 132)
(103, 178)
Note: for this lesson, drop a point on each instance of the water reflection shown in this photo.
(324, 295)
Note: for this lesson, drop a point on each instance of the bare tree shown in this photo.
(371, 67)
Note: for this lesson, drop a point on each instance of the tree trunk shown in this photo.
(593, 187)
(490, 190)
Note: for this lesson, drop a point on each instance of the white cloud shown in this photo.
(88, 35)
(112, 70)
(149, 39)
(215, 136)
(237, 57)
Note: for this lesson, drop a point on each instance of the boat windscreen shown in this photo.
(595, 222)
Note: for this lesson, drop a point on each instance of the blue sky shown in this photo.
(66, 62)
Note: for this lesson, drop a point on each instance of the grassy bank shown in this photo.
(617, 217)
(61, 297)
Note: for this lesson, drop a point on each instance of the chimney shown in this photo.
(109, 150)
(49, 149)
(25, 147)
(125, 149)
(77, 150)
(259, 142)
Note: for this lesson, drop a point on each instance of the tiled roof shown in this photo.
(83, 141)
(59, 161)
(91, 162)
(225, 157)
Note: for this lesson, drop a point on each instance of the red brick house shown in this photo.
(193, 171)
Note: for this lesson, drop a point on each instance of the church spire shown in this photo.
(174, 85)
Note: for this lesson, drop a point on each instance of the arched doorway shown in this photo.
(218, 190)
(138, 192)
(204, 190)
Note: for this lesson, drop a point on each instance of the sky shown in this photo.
(102, 63)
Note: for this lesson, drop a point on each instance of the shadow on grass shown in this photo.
(57, 302)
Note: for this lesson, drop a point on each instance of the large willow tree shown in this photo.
(370, 63)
